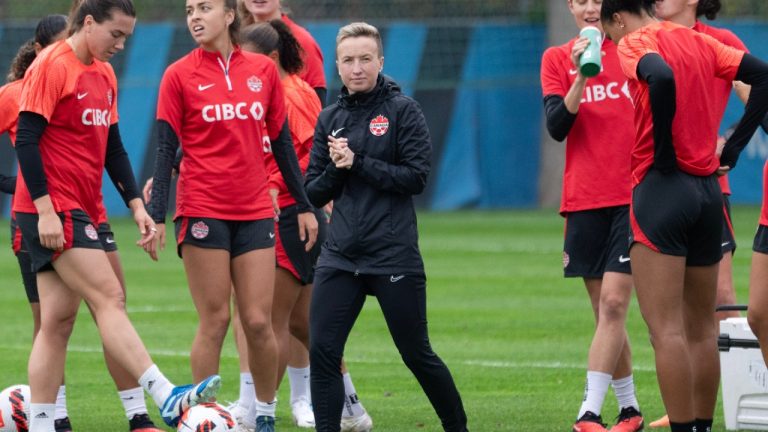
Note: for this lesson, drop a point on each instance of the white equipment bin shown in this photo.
(744, 377)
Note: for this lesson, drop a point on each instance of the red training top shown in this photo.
(695, 59)
(313, 58)
(727, 37)
(303, 107)
(599, 143)
(9, 108)
(220, 110)
(79, 102)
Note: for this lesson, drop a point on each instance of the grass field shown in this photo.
(514, 333)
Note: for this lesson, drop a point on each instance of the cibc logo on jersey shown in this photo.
(228, 111)
(600, 92)
(96, 117)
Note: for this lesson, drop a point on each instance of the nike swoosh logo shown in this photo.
(623, 259)
(725, 244)
(129, 398)
(336, 132)
(573, 71)
(271, 235)
(110, 241)
(81, 95)
(201, 87)
(394, 278)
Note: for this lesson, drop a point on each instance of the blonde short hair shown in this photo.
(360, 29)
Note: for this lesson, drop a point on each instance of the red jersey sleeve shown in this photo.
(727, 59)
(552, 82)
(634, 47)
(170, 100)
(276, 112)
(44, 86)
(9, 107)
(113, 95)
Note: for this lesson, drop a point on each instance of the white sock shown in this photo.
(265, 408)
(61, 403)
(594, 392)
(41, 417)
(156, 384)
(352, 405)
(299, 379)
(133, 401)
(247, 391)
(624, 389)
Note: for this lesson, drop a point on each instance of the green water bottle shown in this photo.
(590, 60)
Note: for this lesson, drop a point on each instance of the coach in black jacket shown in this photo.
(370, 155)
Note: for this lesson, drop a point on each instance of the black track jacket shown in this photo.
(373, 226)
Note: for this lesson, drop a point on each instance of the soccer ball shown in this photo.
(206, 417)
(14, 409)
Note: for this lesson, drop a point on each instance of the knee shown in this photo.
(299, 329)
(613, 308)
(324, 358)
(758, 322)
(60, 327)
(256, 325)
(215, 323)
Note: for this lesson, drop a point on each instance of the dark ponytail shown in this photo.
(45, 32)
(635, 7)
(708, 8)
(276, 36)
(100, 10)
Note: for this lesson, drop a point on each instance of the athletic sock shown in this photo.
(299, 379)
(624, 388)
(156, 384)
(682, 427)
(704, 425)
(247, 391)
(41, 417)
(594, 392)
(133, 401)
(265, 408)
(61, 403)
(352, 405)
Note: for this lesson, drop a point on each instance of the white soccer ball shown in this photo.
(14, 408)
(207, 417)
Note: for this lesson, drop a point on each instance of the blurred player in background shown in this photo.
(595, 114)
(266, 10)
(57, 203)
(677, 207)
(227, 108)
(687, 13)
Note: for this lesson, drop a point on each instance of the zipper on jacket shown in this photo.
(225, 68)
(357, 272)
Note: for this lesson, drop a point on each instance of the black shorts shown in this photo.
(679, 214)
(289, 249)
(761, 240)
(596, 242)
(28, 277)
(79, 232)
(237, 237)
(107, 238)
(728, 242)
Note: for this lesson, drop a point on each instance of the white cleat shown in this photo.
(303, 416)
(239, 414)
(361, 423)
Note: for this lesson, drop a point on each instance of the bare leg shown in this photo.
(610, 352)
(726, 294)
(208, 276)
(659, 280)
(287, 291)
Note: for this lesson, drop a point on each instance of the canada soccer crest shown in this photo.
(200, 230)
(255, 84)
(379, 125)
(566, 259)
(91, 233)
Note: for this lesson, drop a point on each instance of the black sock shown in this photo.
(703, 425)
(683, 427)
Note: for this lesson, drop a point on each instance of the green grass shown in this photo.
(513, 332)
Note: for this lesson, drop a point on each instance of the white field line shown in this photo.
(490, 364)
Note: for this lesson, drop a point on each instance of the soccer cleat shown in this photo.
(589, 422)
(660, 423)
(303, 416)
(265, 424)
(142, 423)
(184, 397)
(361, 423)
(629, 420)
(62, 425)
(237, 411)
